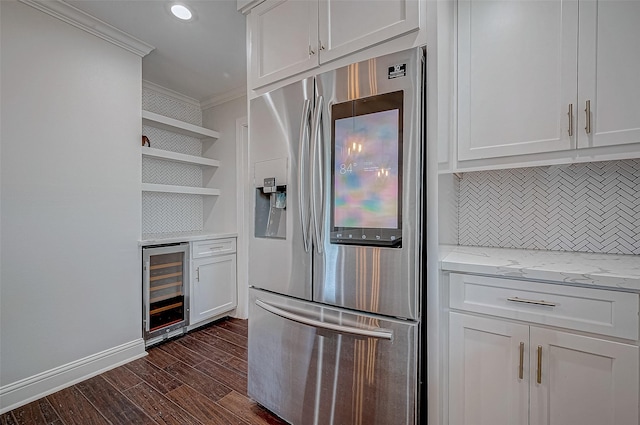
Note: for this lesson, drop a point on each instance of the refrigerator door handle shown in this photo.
(317, 174)
(303, 194)
(379, 333)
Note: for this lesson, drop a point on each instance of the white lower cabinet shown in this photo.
(577, 379)
(504, 373)
(485, 387)
(517, 369)
(213, 286)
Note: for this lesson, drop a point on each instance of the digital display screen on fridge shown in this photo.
(367, 171)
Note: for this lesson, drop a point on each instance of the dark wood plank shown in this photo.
(220, 344)
(39, 412)
(201, 382)
(113, 405)
(202, 408)
(161, 358)
(153, 375)
(159, 407)
(74, 409)
(249, 410)
(204, 349)
(121, 378)
(237, 365)
(239, 322)
(182, 353)
(227, 335)
(240, 329)
(227, 376)
(7, 419)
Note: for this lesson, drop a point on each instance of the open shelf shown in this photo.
(165, 123)
(166, 188)
(179, 157)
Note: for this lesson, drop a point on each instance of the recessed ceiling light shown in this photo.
(181, 12)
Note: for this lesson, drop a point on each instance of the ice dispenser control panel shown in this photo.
(270, 217)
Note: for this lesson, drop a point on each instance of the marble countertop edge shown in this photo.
(176, 237)
(605, 270)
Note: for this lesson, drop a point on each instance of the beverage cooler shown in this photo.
(165, 289)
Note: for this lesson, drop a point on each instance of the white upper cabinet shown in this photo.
(350, 25)
(516, 77)
(284, 39)
(531, 72)
(292, 36)
(609, 73)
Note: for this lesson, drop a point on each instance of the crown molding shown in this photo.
(225, 97)
(79, 19)
(148, 85)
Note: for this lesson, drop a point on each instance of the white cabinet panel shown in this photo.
(599, 311)
(583, 380)
(284, 39)
(213, 287)
(349, 25)
(516, 77)
(289, 37)
(609, 73)
(486, 387)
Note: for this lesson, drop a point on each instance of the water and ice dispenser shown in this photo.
(270, 180)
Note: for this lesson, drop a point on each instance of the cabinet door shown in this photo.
(517, 77)
(488, 371)
(213, 287)
(349, 25)
(609, 73)
(586, 381)
(284, 39)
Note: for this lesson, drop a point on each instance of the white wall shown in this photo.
(70, 204)
(224, 216)
(222, 118)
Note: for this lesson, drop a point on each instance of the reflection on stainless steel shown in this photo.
(334, 327)
(310, 375)
(370, 331)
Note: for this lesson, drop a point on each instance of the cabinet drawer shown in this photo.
(591, 310)
(211, 248)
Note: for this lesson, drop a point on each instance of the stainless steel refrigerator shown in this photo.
(338, 245)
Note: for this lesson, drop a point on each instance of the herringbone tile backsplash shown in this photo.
(592, 207)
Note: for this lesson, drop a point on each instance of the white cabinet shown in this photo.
(284, 39)
(485, 383)
(576, 379)
(499, 370)
(213, 279)
(515, 369)
(350, 25)
(292, 36)
(609, 73)
(516, 77)
(527, 69)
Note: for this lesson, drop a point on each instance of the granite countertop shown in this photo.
(162, 238)
(588, 269)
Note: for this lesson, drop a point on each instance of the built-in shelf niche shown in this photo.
(164, 210)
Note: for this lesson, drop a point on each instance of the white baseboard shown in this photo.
(29, 389)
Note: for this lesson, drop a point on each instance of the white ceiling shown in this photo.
(201, 59)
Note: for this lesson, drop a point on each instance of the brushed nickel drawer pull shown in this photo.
(539, 372)
(521, 366)
(587, 111)
(526, 301)
(570, 119)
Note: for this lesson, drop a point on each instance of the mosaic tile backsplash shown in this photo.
(591, 207)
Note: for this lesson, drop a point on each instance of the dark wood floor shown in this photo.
(200, 378)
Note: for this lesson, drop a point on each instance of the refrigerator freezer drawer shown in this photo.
(313, 364)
